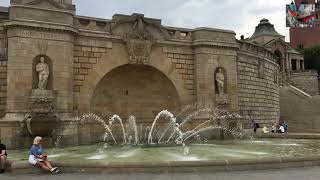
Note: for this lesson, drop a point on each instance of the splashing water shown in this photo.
(170, 132)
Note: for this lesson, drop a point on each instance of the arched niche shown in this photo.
(220, 74)
(35, 76)
(139, 90)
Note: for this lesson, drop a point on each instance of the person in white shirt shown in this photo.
(282, 129)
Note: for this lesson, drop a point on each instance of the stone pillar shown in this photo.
(209, 56)
(42, 30)
(289, 61)
(298, 65)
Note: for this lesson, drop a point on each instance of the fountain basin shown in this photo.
(220, 156)
(174, 166)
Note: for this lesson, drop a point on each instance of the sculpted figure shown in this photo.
(42, 69)
(220, 81)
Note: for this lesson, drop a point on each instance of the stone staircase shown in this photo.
(300, 110)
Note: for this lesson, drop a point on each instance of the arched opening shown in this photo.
(138, 90)
(278, 57)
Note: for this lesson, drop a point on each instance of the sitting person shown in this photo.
(38, 159)
(3, 157)
(281, 129)
(274, 128)
(285, 125)
(265, 129)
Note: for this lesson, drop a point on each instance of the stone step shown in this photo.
(25, 168)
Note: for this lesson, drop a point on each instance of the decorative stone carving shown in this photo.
(42, 101)
(220, 81)
(48, 4)
(222, 101)
(42, 69)
(43, 47)
(42, 120)
(139, 42)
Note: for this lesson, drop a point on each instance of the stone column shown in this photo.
(298, 65)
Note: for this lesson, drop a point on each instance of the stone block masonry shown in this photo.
(85, 57)
(258, 89)
(3, 72)
(184, 64)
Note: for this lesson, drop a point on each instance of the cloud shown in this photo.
(240, 16)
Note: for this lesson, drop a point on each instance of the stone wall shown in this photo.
(85, 57)
(3, 71)
(183, 62)
(87, 53)
(258, 85)
(306, 81)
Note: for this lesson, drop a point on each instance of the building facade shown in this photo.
(291, 62)
(56, 65)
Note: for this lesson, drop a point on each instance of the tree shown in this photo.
(311, 57)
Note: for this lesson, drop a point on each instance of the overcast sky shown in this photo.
(240, 16)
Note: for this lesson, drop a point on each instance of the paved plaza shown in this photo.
(312, 173)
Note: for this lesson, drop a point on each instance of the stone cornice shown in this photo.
(41, 25)
(218, 44)
(70, 12)
(255, 49)
(98, 34)
(270, 60)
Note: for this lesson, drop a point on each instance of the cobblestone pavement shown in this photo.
(312, 173)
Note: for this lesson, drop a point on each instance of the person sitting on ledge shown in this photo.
(274, 128)
(38, 159)
(265, 129)
(3, 157)
(281, 129)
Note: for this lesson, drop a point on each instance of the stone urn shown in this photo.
(42, 121)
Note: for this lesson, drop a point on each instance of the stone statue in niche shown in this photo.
(42, 69)
(220, 81)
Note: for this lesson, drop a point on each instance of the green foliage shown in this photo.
(311, 57)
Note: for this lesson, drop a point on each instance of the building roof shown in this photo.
(4, 9)
(265, 28)
(293, 51)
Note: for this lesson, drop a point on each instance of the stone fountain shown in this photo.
(41, 120)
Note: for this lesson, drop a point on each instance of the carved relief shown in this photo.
(41, 35)
(43, 47)
(49, 4)
(139, 42)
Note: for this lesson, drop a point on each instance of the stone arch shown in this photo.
(35, 78)
(132, 89)
(103, 67)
